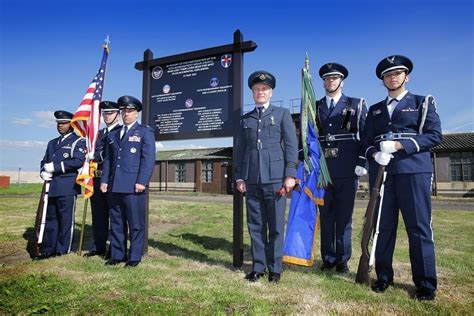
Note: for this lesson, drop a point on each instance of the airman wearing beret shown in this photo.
(264, 167)
(340, 119)
(127, 169)
(399, 133)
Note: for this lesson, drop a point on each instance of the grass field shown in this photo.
(189, 270)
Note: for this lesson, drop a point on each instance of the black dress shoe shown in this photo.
(381, 286)
(108, 255)
(342, 268)
(274, 277)
(113, 262)
(254, 276)
(94, 253)
(424, 294)
(326, 266)
(132, 264)
(43, 256)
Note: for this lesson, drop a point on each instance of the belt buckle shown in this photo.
(259, 145)
(98, 173)
(331, 152)
(390, 136)
(330, 138)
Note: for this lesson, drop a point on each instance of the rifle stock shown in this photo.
(363, 270)
(39, 219)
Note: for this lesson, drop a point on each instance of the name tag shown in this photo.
(409, 110)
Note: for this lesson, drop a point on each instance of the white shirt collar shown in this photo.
(130, 126)
(111, 127)
(265, 105)
(336, 99)
(399, 97)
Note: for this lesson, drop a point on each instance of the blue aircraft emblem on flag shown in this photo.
(226, 60)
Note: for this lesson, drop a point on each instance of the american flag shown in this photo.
(86, 122)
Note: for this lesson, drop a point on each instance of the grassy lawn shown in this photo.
(22, 188)
(189, 270)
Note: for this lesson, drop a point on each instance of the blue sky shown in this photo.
(50, 51)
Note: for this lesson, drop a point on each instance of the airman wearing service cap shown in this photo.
(63, 158)
(127, 170)
(340, 118)
(100, 208)
(399, 133)
(263, 167)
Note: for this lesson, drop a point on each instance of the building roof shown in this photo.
(456, 142)
(195, 154)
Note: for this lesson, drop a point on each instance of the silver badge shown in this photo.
(66, 155)
(391, 59)
(133, 150)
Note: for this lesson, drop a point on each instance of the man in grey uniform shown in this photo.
(267, 155)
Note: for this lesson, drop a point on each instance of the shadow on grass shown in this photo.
(207, 242)
(174, 250)
(30, 237)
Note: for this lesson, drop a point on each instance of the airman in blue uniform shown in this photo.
(267, 155)
(64, 156)
(340, 120)
(127, 170)
(399, 133)
(100, 209)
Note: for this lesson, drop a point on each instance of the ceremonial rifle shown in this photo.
(41, 218)
(363, 270)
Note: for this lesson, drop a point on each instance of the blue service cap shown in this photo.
(63, 116)
(129, 102)
(262, 76)
(392, 63)
(108, 106)
(333, 69)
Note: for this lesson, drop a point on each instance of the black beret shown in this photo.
(391, 63)
(128, 102)
(331, 69)
(63, 116)
(263, 77)
(108, 106)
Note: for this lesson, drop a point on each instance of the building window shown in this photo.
(180, 175)
(461, 166)
(207, 171)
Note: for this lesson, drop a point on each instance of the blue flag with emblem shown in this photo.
(303, 219)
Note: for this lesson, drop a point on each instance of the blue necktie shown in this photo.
(331, 106)
(125, 128)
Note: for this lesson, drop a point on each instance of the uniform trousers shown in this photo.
(100, 218)
(336, 220)
(411, 193)
(266, 224)
(127, 220)
(59, 226)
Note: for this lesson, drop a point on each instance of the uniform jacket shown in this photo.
(406, 118)
(68, 157)
(349, 151)
(266, 149)
(101, 143)
(130, 160)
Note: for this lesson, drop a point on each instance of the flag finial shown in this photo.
(306, 61)
(106, 43)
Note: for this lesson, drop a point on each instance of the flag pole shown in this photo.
(86, 199)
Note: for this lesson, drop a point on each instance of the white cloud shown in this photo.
(44, 119)
(22, 144)
(22, 121)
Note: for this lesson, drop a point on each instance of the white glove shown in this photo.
(49, 167)
(382, 158)
(90, 156)
(46, 176)
(388, 146)
(360, 171)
